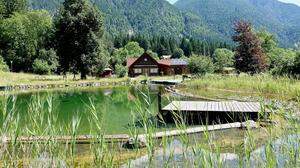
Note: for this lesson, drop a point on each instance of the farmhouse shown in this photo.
(148, 66)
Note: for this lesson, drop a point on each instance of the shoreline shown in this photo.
(53, 86)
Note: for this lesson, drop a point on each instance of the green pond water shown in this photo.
(118, 110)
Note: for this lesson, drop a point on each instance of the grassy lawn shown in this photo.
(8, 78)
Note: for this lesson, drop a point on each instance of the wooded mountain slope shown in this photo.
(147, 17)
(204, 19)
(279, 18)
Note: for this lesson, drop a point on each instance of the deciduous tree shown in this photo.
(8, 7)
(268, 41)
(22, 35)
(79, 28)
(249, 55)
(130, 50)
(282, 61)
(200, 65)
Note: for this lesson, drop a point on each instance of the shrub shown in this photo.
(223, 58)
(3, 65)
(41, 67)
(121, 70)
(201, 65)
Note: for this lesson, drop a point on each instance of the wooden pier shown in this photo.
(123, 138)
(207, 106)
(81, 139)
(166, 82)
(200, 129)
(208, 111)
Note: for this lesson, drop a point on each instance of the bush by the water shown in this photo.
(121, 70)
(3, 65)
(201, 65)
(41, 67)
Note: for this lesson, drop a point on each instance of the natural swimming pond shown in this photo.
(117, 110)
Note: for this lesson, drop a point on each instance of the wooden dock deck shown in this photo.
(207, 106)
(195, 112)
(166, 82)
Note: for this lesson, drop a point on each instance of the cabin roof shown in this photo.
(165, 62)
(173, 62)
(178, 62)
(131, 61)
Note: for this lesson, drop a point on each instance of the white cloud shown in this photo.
(172, 1)
(291, 1)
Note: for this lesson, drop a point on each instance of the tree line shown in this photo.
(171, 46)
(75, 41)
(255, 52)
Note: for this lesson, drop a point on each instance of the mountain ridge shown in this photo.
(147, 17)
(279, 18)
(202, 19)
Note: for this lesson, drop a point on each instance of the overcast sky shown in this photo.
(289, 1)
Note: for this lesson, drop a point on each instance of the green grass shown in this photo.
(8, 78)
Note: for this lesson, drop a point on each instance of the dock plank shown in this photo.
(208, 106)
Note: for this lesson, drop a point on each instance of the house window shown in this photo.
(154, 70)
(137, 71)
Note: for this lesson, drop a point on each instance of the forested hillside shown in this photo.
(279, 18)
(147, 17)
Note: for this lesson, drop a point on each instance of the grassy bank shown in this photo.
(258, 86)
(8, 79)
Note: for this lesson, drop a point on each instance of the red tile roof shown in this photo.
(130, 61)
(166, 62)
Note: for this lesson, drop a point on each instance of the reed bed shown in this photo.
(262, 86)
